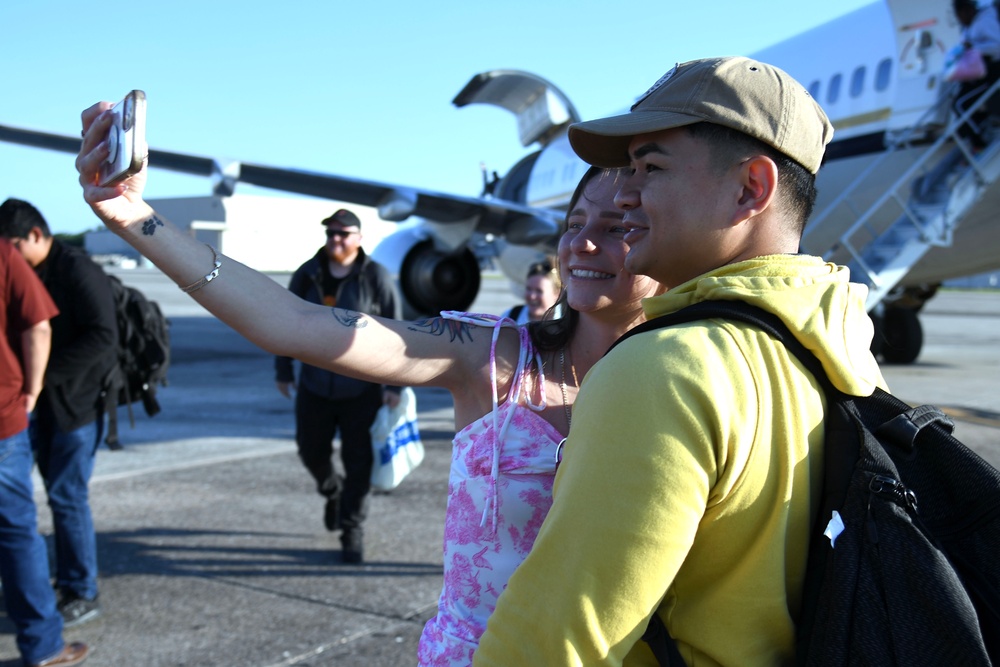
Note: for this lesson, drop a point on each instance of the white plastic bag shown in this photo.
(396, 443)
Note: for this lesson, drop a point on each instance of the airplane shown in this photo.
(877, 73)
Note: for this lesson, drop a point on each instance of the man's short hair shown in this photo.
(18, 217)
(745, 95)
(796, 185)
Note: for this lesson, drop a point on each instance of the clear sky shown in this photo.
(360, 88)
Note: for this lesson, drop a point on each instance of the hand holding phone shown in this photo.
(126, 139)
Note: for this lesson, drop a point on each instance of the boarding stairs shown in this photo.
(888, 231)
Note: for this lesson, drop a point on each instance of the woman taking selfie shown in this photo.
(513, 388)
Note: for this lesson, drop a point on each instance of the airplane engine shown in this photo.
(430, 280)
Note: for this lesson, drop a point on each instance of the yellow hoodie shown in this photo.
(689, 481)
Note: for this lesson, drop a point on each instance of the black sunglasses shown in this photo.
(339, 233)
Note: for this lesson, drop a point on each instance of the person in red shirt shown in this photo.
(25, 311)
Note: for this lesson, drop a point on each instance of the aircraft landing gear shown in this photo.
(898, 335)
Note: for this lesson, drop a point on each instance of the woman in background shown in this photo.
(542, 286)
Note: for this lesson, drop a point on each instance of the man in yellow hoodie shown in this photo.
(690, 477)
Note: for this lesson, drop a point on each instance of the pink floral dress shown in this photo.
(499, 491)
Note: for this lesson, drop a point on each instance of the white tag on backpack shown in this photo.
(834, 528)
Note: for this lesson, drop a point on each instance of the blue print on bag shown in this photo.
(400, 437)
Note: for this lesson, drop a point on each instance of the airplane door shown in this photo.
(923, 30)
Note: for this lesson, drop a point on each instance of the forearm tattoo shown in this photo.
(150, 224)
(351, 319)
(438, 326)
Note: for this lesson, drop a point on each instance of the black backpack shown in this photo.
(143, 357)
(914, 578)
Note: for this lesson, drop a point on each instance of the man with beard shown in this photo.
(341, 275)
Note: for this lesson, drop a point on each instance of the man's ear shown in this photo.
(759, 180)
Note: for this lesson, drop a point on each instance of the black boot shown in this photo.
(353, 545)
(332, 489)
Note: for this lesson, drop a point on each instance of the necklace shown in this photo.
(562, 388)
(562, 384)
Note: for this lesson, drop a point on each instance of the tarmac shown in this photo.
(210, 536)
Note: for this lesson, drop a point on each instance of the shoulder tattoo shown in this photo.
(351, 319)
(150, 224)
(438, 326)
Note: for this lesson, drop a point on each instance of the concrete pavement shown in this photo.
(210, 534)
(211, 542)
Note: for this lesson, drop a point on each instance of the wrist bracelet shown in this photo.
(209, 277)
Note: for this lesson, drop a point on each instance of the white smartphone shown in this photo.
(126, 139)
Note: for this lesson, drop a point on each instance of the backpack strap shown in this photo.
(903, 428)
(663, 646)
(110, 388)
(740, 311)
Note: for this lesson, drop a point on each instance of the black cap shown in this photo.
(344, 218)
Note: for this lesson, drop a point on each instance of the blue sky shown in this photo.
(360, 89)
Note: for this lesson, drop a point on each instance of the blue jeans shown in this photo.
(24, 562)
(66, 462)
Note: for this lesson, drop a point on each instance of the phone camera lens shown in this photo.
(113, 141)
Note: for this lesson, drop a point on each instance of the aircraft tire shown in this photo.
(878, 340)
(903, 336)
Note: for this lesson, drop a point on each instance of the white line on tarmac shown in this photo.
(284, 448)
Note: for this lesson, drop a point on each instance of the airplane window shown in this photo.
(882, 74)
(858, 81)
(833, 92)
(814, 90)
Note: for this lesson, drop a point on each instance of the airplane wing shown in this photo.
(435, 264)
(436, 259)
(518, 223)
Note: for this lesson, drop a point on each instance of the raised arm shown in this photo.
(433, 352)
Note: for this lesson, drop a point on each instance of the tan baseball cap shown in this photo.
(749, 96)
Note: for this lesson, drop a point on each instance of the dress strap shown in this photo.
(518, 387)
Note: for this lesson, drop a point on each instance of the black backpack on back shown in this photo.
(143, 356)
(914, 578)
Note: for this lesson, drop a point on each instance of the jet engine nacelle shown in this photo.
(430, 279)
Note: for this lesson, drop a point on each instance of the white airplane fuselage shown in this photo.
(876, 72)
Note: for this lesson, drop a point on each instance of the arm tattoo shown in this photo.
(351, 319)
(438, 326)
(150, 224)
